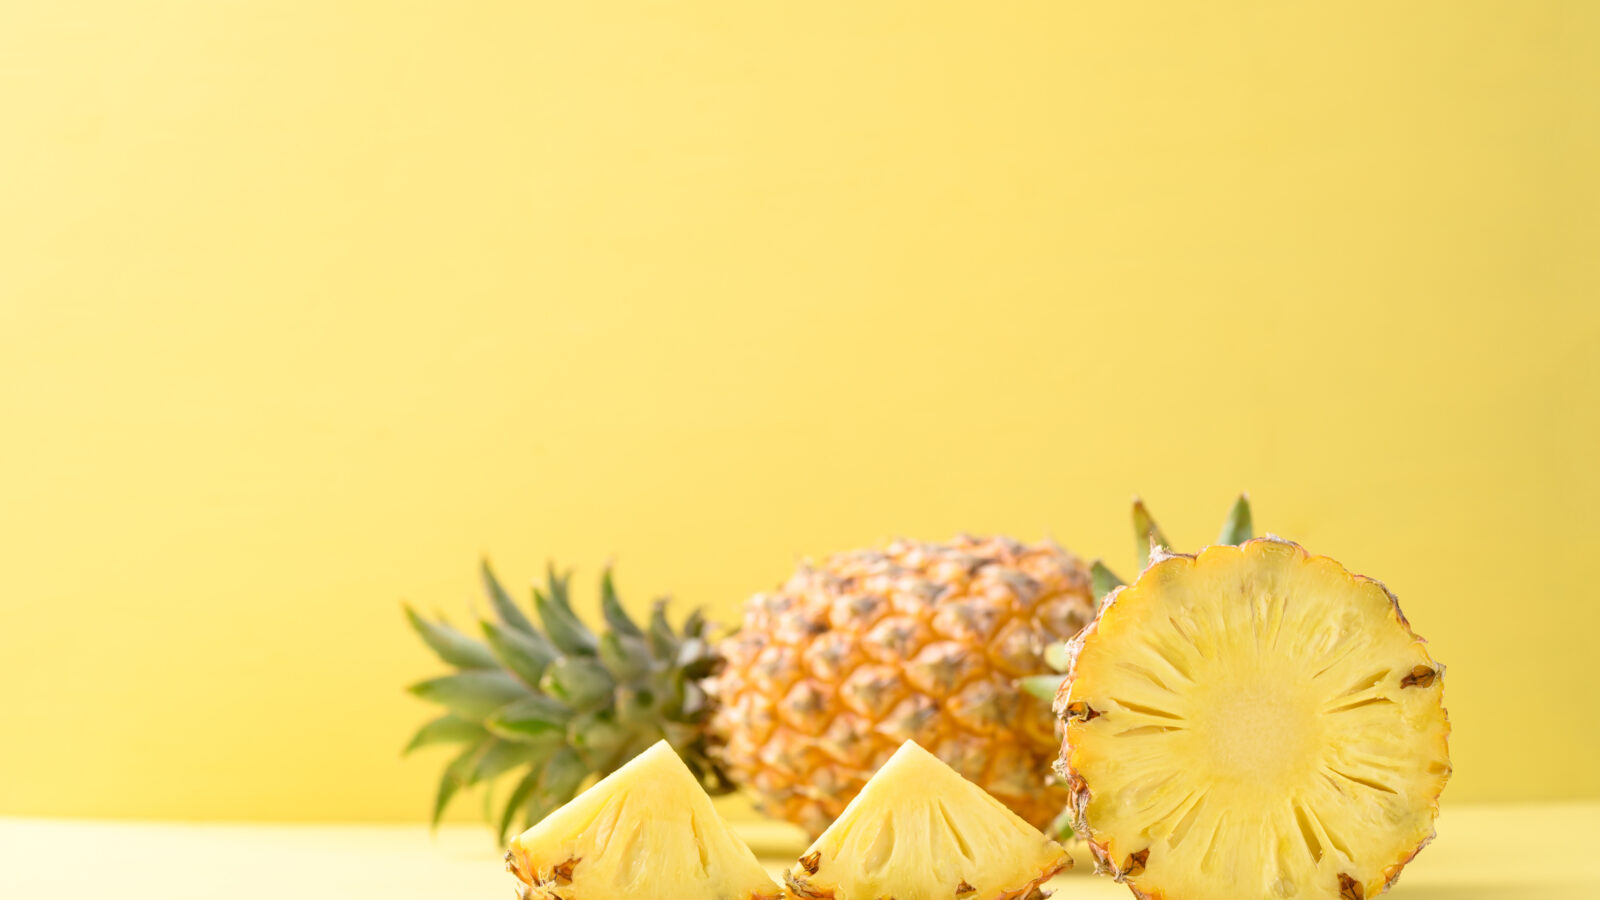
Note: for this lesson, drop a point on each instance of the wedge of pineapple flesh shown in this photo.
(1254, 722)
(919, 831)
(646, 830)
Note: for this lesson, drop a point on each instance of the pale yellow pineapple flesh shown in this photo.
(919, 831)
(645, 830)
(1254, 722)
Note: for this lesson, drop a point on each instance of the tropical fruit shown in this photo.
(919, 831)
(827, 676)
(822, 681)
(645, 830)
(1253, 721)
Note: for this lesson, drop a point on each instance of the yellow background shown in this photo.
(305, 305)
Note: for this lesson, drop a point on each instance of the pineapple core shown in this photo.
(919, 831)
(1254, 722)
(647, 829)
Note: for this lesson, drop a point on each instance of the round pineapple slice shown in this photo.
(1253, 721)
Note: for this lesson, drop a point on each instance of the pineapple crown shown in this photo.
(1236, 529)
(559, 702)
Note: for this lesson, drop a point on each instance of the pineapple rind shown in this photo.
(648, 829)
(919, 831)
(917, 641)
(1194, 852)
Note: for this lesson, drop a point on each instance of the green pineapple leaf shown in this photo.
(637, 708)
(562, 775)
(449, 644)
(1055, 656)
(694, 624)
(663, 640)
(473, 694)
(1147, 533)
(532, 719)
(599, 740)
(502, 756)
(447, 729)
(1238, 527)
(525, 654)
(537, 807)
(578, 681)
(486, 796)
(507, 610)
(563, 627)
(516, 801)
(611, 608)
(626, 656)
(1042, 686)
(558, 782)
(1103, 580)
(559, 586)
(1061, 826)
(455, 777)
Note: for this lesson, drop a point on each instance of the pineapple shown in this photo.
(824, 679)
(645, 830)
(919, 831)
(926, 642)
(1253, 721)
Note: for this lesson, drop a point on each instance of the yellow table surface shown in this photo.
(1482, 853)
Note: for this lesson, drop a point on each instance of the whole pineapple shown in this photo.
(829, 675)
(824, 679)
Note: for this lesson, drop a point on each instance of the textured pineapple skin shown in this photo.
(1075, 717)
(918, 641)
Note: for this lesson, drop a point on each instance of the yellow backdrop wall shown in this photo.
(305, 305)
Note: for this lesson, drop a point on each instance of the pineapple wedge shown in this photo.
(1253, 721)
(646, 830)
(919, 831)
